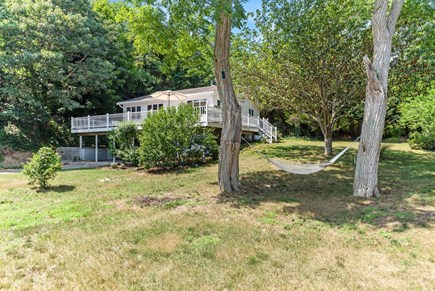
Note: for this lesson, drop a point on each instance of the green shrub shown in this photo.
(174, 137)
(393, 131)
(422, 140)
(43, 166)
(122, 142)
(419, 115)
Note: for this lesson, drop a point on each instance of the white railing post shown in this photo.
(206, 114)
(128, 115)
(89, 122)
(249, 125)
(72, 123)
(107, 120)
(96, 148)
(113, 156)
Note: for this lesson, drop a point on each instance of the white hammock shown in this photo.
(304, 169)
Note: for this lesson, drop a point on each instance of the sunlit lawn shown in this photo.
(282, 231)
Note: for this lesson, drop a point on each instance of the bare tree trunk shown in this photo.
(383, 25)
(328, 142)
(327, 132)
(231, 110)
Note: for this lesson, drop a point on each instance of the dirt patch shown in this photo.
(144, 201)
(12, 158)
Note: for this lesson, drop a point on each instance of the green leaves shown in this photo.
(419, 115)
(122, 142)
(305, 58)
(43, 167)
(168, 54)
(413, 60)
(56, 57)
(54, 51)
(174, 137)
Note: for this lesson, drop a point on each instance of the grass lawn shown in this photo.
(122, 229)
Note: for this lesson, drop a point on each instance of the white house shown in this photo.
(206, 99)
(199, 97)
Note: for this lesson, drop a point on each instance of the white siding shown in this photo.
(212, 98)
(246, 105)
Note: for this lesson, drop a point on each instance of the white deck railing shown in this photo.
(209, 116)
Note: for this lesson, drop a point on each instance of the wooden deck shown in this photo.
(209, 116)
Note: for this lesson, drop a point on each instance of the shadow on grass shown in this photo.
(327, 195)
(58, 189)
(179, 169)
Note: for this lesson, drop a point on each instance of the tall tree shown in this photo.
(56, 57)
(383, 26)
(200, 18)
(231, 110)
(304, 60)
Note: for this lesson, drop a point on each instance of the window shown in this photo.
(154, 106)
(128, 109)
(251, 112)
(198, 102)
(133, 109)
(218, 103)
(138, 109)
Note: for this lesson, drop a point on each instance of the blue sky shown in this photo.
(252, 6)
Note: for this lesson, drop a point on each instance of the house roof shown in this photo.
(198, 90)
(183, 91)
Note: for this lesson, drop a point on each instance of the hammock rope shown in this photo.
(302, 169)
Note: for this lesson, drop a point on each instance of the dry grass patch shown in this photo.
(165, 243)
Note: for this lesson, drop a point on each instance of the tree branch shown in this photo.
(78, 63)
(393, 15)
(373, 81)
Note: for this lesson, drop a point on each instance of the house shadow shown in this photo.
(327, 196)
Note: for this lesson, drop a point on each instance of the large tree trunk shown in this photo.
(231, 110)
(366, 172)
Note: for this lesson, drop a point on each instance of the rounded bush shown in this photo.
(174, 137)
(43, 166)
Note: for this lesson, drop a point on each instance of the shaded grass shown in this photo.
(281, 231)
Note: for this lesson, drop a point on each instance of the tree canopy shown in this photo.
(56, 57)
(301, 63)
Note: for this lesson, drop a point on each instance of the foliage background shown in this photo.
(60, 59)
